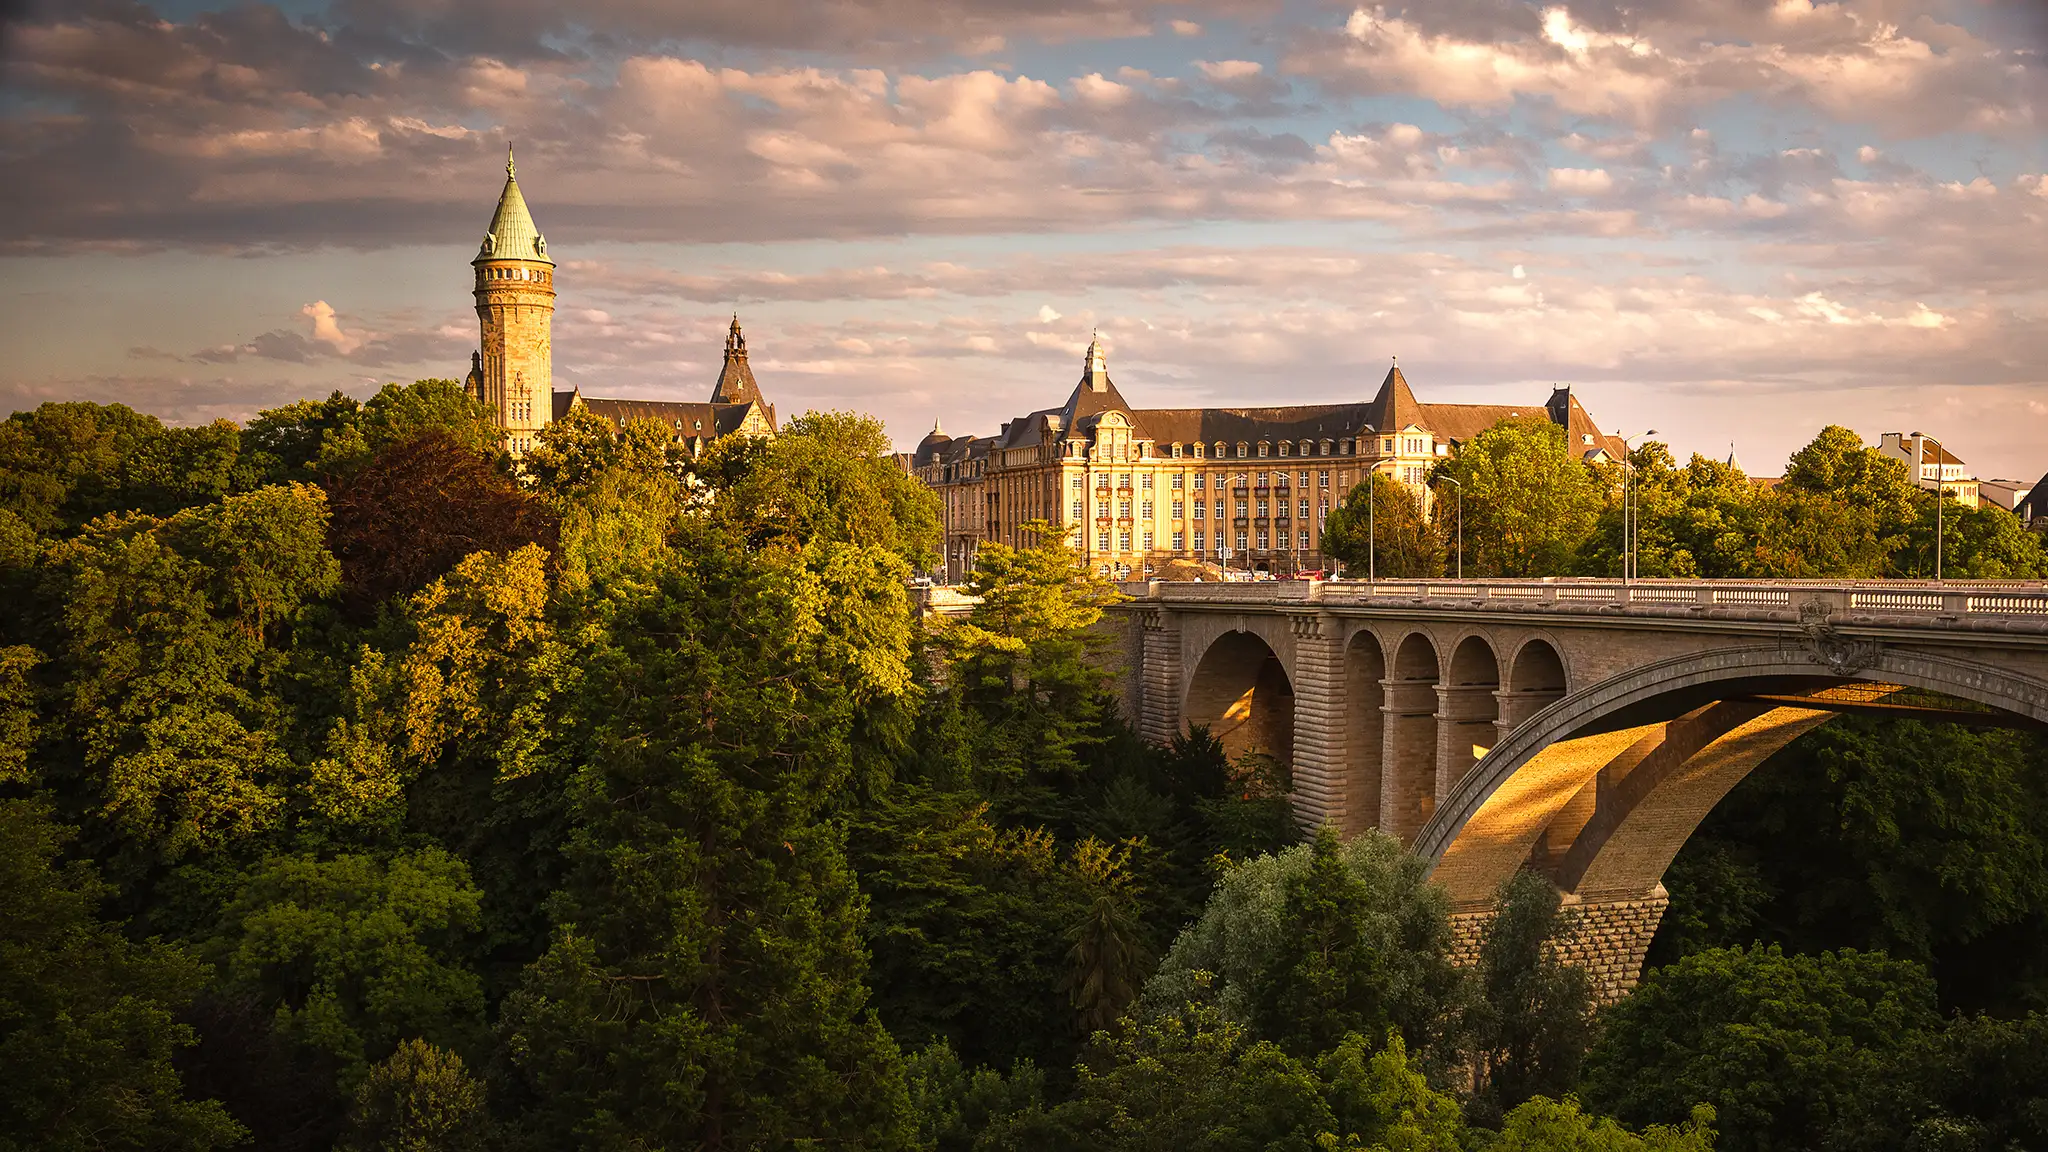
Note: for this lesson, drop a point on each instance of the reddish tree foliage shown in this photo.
(420, 507)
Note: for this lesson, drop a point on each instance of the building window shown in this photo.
(1323, 478)
(1243, 509)
(1179, 509)
(1283, 447)
(1240, 541)
(1264, 479)
(1201, 510)
(1304, 539)
(1303, 507)
(1124, 480)
(1174, 452)
(1263, 446)
(1148, 540)
(1178, 479)
(1180, 542)
(1077, 480)
(1220, 453)
(1146, 510)
(1265, 541)
(1346, 447)
(1080, 510)
(1145, 481)
(1198, 481)
(1201, 540)
(1123, 509)
(1198, 451)
(1102, 479)
(1123, 541)
(1243, 450)
(1322, 513)
(1304, 479)
(1263, 505)
(1102, 541)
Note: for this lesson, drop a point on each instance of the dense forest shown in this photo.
(362, 790)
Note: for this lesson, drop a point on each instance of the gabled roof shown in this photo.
(735, 380)
(513, 235)
(2035, 505)
(681, 417)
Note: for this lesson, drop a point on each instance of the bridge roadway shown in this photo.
(1582, 728)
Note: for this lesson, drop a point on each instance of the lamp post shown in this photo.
(1940, 492)
(1628, 522)
(1461, 523)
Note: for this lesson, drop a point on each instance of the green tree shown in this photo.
(87, 1017)
(63, 464)
(302, 441)
(1981, 543)
(828, 476)
(1544, 1125)
(1531, 1017)
(172, 630)
(1380, 525)
(1358, 922)
(421, 1099)
(1922, 840)
(1529, 500)
(1782, 1046)
(705, 985)
(1024, 659)
(357, 953)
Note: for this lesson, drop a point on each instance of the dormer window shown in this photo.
(1283, 447)
(1263, 446)
(1243, 450)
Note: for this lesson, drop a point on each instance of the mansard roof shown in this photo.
(684, 418)
(1231, 425)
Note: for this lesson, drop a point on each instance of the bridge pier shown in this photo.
(1408, 759)
(1465, 729)
(1322, 784)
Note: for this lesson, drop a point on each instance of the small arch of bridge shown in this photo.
(1242, 691)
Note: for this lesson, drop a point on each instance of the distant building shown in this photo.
(2032, 509)
(1246, 486)
(1931, 465)
(2007, 494)
(512, 371)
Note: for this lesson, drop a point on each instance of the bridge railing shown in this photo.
(1856, 597)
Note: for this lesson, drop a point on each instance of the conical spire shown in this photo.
(513, 235)
(735, 379)
(1734, 465)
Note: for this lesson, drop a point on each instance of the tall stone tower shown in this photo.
(513, 372)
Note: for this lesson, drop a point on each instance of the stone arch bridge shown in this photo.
(1581, 728)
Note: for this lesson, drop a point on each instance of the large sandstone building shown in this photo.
(1246, 486)
(512, 372)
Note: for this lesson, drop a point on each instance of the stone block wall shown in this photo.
(1612, 939)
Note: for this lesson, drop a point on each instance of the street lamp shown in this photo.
(1940, 492)
(1461, 523)
(1628, 530)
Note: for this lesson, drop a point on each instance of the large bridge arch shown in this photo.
(1601, 788)
(1241, 692)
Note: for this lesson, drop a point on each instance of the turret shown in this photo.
(513, 371)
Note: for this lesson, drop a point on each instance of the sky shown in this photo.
(1733, 221)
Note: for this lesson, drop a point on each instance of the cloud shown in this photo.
(1853, 61)
(327, 330)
